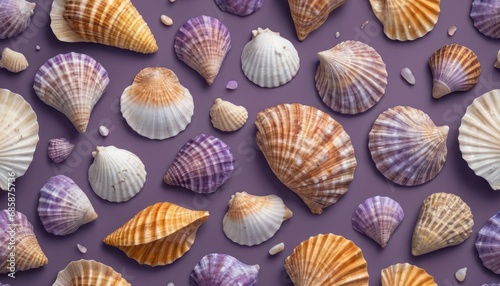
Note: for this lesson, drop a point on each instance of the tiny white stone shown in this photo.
(407, 74)
(103, 130)
(277, 248)
(170, 283)
(82, 248)
(451, 30)
(337, 34)
(37, 47)
(460, 274)
(166, 20)
(364, 24)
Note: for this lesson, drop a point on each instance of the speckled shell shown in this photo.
(406, 146)
(308, 151)
(59, 149)
(13, 61)
(89, 273)
(240, 7)
(157, 105)
(486, 17)
(226, 116)
(159, 234)
(72, 83)
(488, 243)
(407, 275)
(15, 17)
(351, 77)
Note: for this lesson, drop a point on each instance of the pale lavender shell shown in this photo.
(59, 149)
(15, 17)
(222, 269)
(486, 17)
(488, 244)
(239, 7)
(202, 165)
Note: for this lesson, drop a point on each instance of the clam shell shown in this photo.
(116, 175)
(59, 149)
(240, 7)
(72, 83)
(114, 23)
(159, 234)
(444, 220)
(89, 273)
(269, 60)
(308, 151)
(327, 259)
(202, 43)
(13, 61)
(407, 275)
(351, 77)
(486, 17)
(251, 219)
(226, 116)
(156, 105)
(16, 17)
(406, 146)
(488, 243)
(63, 207)
(202, 165)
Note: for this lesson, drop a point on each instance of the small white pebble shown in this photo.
(37, 48)
(171, 283)
(82, 248)
(408, 75)
(103, 130)
(452, 30)
(460, 274)
(166, 20)
(232, 84)
(277, 248)
(337, 34)
(364, 24)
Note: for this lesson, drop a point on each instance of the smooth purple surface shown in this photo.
(252, 173)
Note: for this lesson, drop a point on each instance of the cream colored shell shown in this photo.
(226, 116)
(405, 274)
(89, 273)
(13, 61)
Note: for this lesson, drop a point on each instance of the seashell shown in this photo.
(59, 149)
(406, 146)
(327, 259)
(351, 77)
(88, 273)
(63, 207)
(16, 17)
(240, 7)
(488, 243)
(202, 43)
(406, 274)
(223, 269)
(377, 218)
(444, 220)
(159, 234)
(486, 17)
(202, 165)
(251, 220)
(14, 226)
(114, 23)
(116, 175)
(308, 151)
(17, 119)
(156, 105)
(454, 68)
(269, 60)
(13, 61)
(226, 116)
(72, 83)
(406, 20)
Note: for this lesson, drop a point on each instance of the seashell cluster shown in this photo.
(13, 61)
(16, 17)
(89, 272)
(59, 149)
(406, 274)
(240, 7)
(488, 243)
(486, 17)
(226, 116)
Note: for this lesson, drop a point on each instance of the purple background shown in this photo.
(253, 174)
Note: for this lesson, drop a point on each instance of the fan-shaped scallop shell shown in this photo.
(308, 151)
(114, 23)
(59, 149)
(89, 273)
(156, 105)
(16, 17)
(486, 17)
(327, 259)
(406, 146)
(223, 269)
(72, 83)
(240, 7)
(13, 61)
(252, 219)
(226, 116)
(407, 275)
(159, 234)
(269, 60)
(488, 243)
(202, 43)
(351, 77)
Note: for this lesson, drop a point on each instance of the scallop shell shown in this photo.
(269, 60)
(308, 151)
(202, 165)
(16, 17)
(202, 43)
(72, 83)
(406, 146)
(89, 273)
(223, 269)
(486, 17)
(406, 20)
(488, 243)
(240, 7)
(116, 174)
(327, 259)
(454, 68)
(59, 149)
(114, 23)
(13, 61)
(156, 105)
(351, 77)
(19, 121)
(378, 217)
(251, 219)
(226, 116)
(159, 234)
(29, 255)
(407, 275)
(444, 220)
(63, 207)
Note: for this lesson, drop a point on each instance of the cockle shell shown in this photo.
(202, 43)
(156, 105)
(327, 259)
(444, 220)
(308, 151)
(114, 23)
(488, 243)
(15, 17)
(406, 274)
(240, 7)
(252, 219)
(269, 60)
(116, 174)
(202, 165)
(223, 269)
(89, 273)
(226, 116)
(13, 61)
(486, 17)
(351, 77)
(63, 207)
(72, 83)
(406, 146)
(159, 234)
(59, 149)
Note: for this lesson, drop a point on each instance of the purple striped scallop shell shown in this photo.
(222, 269)
(15, 17)
(239, 7)
(486, 17)
(488, 244)
(59, 149)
